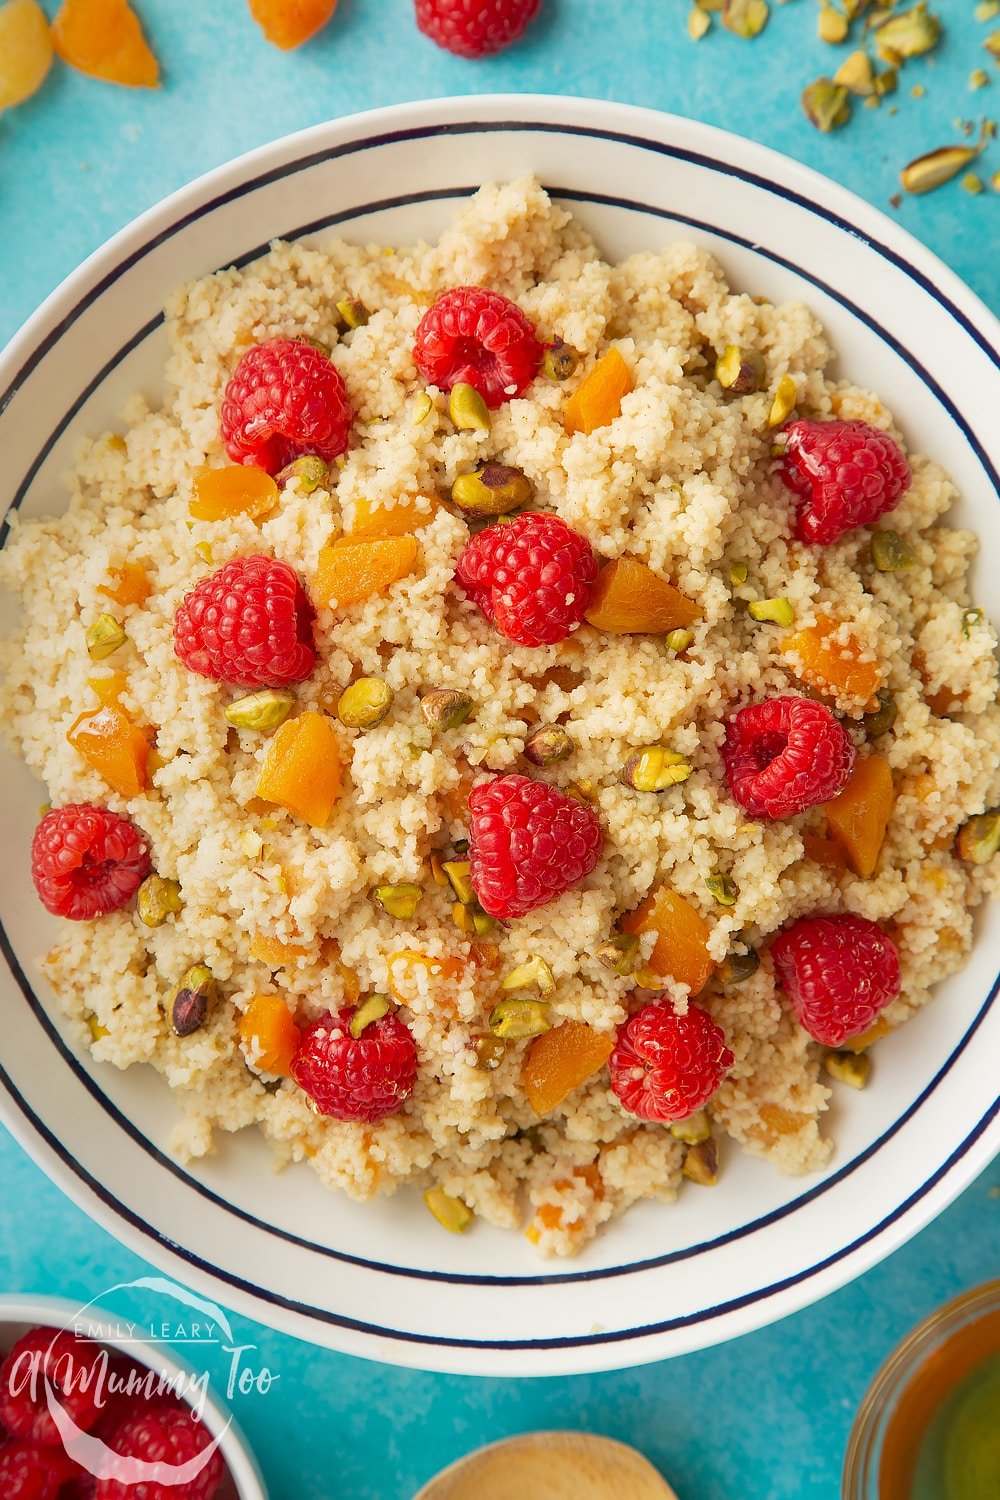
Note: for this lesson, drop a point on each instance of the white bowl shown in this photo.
(383, 1280)
(20, 1314)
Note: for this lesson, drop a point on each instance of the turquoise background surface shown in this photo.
(763, 1418)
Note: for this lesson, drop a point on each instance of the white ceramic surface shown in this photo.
(383, 1280)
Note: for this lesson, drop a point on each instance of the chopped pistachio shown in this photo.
(353, 312)
(251, 843)
(43, 808)
(827, 105)
(647, 978)
(739, 370)
(365, 703)
(317, 344)
(724, 888)
(654, 768)
(746, 18)
(973, 183)
(104, 637)
(368, 1012)
(97, 1031)
(547, 745)
(491, 490)
(886, 82)
(970, 619)
(490, 1052)
(778, 611)
(264, 710)
(445, 708)
(398, 900)
(738, 573)
(467, 409)
(157, 899)
(677, 640)
(987, 10)
(979, 838)
(881, 719)
(936, 167)
(471, 920)
(460, 846)
(857, 74)
(310, 472)
(535, 972)
(437, 871)
(204, 551)
(736, 967)
(560, 360)
(422, 408)
(699, 22)
(785, 397)
(992, 44)
(512, 1020)
(852, 1068)
(890, 553)
(692, 1131)
(909, 33)
(832, 25)
(457, 873)
(583, 790)
(619, 953)
(979, 79)
(191, 999)
(451, 1213)
(701, 1163)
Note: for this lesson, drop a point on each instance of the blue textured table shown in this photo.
(764, 1418)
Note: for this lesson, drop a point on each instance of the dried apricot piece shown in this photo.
(630, 599)
(681, 948)
(268, 1035)
(129, 584)
(25, 51)
(273, 952)
(103, 38)
(823, 851)
(302, 771)
(858, 818)
(234, 490)
(108, 688)
(561, 1060)
(832, 665)
(597, 400)
(115, 747)
(351, 571)
(405, 517)
(399, 966)
(289, 23)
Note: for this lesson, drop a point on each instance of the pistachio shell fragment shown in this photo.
(740, 370)
(736, 967)
(512, 1020)
(365, 703)
(104, 637)
(654, 768)
(547, 745)
(451, 1213)
(446, 708)
(827, 105)
(979, 838)
(467, 409)
(157, 899)
(353, 312)
(778, 611)
(724, 889)
(491, 490)
(456, 872)
(783, 404)
(191, 999)
(746, 18)
(692, 1131)
(701, 1163)
(264, 710)
(852, 1068)
(910, 33)
(890, 553)
(619, 953)
(490, 1052)
(560, 360)
(398, 900)
(856, 74)
(368, 1012)
(832, 25)
(934, 168)
(535, 972)
(881, 720)
(310, 471)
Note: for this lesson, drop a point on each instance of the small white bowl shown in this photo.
(382, 1280)
(20, 1314)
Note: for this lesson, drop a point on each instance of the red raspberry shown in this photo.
(249, 623)
(839, 972)
(87, 861)
(166, 1434)
(480, 338)
(475, 28)
(531, 577)
(847, 473)
(29, 1473)
(784, 755)
(71, 1366)
(528, 843)
(665, 1066)
(356, 1078)
(284, 398)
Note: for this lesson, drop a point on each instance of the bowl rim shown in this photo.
(635, 126)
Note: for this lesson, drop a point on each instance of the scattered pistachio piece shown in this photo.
(437, 871)
(987, 10)
(701, 1163)
(890, 553)
(852, 1068)
(917, 91)
(619, 953)
(724, 888)
(785, 397)
(157, 899)
(881, 719)
(979, 838)
(512, 1020)
(457, 874)
(368, 1012)
(365, 703)
(746, 18)
(97, 1031)
(534, 972)
(778, 611)
(738, 574)
(251, 843)
(979, 79)
(491, 490)
(310, 471)
(547, 745)
(992, 44)
(446, 708)
(736, 967)
(317, 344)
(467, 409)
(929, 171)
(654, 768)
(739, 370)
(451, 1213)
(191, 999)
(832, 25)
(490, 1052)
(886, 82)
(678, 640)
(264, 710)
(104, 637)
(647, 978)
(583, 790)
(827, 105)
(908, 33)
(471, 920)
(353, 312)
(204, 551)
(398, 900)
(973, 183)
(857, 74)
(692, 1131)
(699, 22)
(422, 408)
(560, 360)
(970, 619)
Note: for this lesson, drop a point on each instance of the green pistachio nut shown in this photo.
(490, 1052)
(777, 611)
(979, 838)
(701, 1163)
(533, 974)
(467, 409)
(654, 768)
(620, 953)
(890, 554)
(491, 490)
(827, 105)
(909, 33)
(740, 371)
(367, 1012)
(398, 900)
(263, 710)
(559, 361)
(352, 312)
(852, 1068)
(451, 1213)
(547, 745)
(310, 472)
(735, 968)
(881, 719)
(365, 703)
(512, 1020)
(692, 1131)
(446, 708)
(157, 899)
(104, 637)
(191, 1000)
(783, 402)
(457, 872)
(723, 888)
(678, 640)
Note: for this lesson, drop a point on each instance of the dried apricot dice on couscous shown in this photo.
(235, 490)
(115, 747)
(858, 818)
(349, 572)
(680, 951)
(401, 519)
(302, 771)
(561, 1060)
(833, 660)
(130, 584)
(630, 599)
(598, 398)
(268, 1035)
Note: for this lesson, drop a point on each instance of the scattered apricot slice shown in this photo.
(405, 517)
(273, 952)
(129, 584)
(302, 771)
(235, 490)
(289, 23)
(103, 38)
(823, 851)
(874, 1033)
(268, 1035)
(115, 747)
(681, 948)
(778, 1122)
(559, 1061)
(630, 599)
(831, 665)
(25, 51)
(351, 571)
(108, 688)
(399, 967)
(597, 400)
(858, 818)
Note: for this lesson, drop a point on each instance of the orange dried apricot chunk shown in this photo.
(273, 952)
(858, 817)
(268, 1035)
(108, 688)
(874, 1033)
(831, 665)
(289, 23)
(235, 490)
(399, 965)
(351, 571)
(630, 599)
(597, 400)
(25, 51)
(778, 1122)
(559, 1061)
(302, 771)
(681, 948)
(405, 517)
(823, 851)
(103, 38)
(129, 584)
(116, 748)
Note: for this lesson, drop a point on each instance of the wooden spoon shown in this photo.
(558, 1465)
